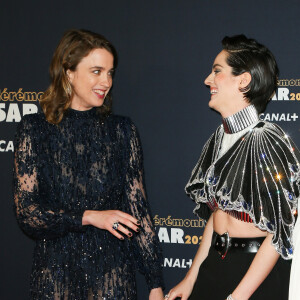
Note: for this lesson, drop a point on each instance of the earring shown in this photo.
(69, 90)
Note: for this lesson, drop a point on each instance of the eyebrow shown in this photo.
(96, 67)
(216, 65)
(101, 68)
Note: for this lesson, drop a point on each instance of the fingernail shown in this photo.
(130, 234)
(138, 222)
(122, 238)
(137, 230)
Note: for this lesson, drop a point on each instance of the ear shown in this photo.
(70, 75)
(245, 79)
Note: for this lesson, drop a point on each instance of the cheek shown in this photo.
(110, 81)
(220, 78)
(86, 83)
(78, 85)
(77, 82)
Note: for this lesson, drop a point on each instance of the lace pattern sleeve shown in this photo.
(34, 219)
(145, 244)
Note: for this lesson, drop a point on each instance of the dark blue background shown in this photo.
(166, 49)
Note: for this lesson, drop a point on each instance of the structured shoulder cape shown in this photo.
(258, 176)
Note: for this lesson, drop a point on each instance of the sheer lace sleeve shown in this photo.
(145, 245)
(37, 221)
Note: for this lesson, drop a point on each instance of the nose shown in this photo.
(106, 80)
(208, 79)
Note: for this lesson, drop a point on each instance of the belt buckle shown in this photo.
(222, 244)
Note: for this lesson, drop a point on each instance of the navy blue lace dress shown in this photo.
(84, 163)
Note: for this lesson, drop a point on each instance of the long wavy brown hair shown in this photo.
(72, 48)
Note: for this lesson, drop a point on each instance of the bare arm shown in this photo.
(202, 251)
(185, 287)
(261, 266)
(156, 294)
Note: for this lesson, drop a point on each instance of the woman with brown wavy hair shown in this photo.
(79, 186)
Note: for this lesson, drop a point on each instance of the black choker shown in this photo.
(240, 120)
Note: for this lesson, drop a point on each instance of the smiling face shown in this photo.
(92, 79)
(226, 97)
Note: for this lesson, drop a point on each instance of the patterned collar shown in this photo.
(240, 120)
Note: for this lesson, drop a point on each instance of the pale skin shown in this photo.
(227, 99)
(91, 82)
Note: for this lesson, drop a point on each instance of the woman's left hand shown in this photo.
(156, 294)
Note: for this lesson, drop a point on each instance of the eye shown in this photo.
(97, 72)
(216, 71)
(111, 73)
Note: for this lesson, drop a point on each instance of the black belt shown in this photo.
(224, 243)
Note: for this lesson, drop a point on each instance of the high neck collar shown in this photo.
(81, 114)
(240, 120)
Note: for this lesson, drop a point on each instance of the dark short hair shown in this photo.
(247, 55)
(72, 48)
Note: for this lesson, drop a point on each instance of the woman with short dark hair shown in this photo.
(79, 183)
(244, 184)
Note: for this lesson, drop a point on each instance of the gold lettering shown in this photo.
(178, 222)
(5, 95)
(283, 82)
(12, 96)
(288, 82)
(39, 95)
(170, 222)
(30, 96)
(187, 223)
(20, 95)
(156, 220)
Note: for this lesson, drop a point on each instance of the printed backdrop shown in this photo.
(166, 49)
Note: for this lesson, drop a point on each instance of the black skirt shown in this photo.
(218, 277)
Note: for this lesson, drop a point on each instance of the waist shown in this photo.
(224, 222)
(243, 216)
(225, 244)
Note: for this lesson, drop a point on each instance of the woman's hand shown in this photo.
(156, 294)
(106, 219)
(182, 290)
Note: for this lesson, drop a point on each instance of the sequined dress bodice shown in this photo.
(84, 163)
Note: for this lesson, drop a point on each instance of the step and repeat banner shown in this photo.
(166, 50)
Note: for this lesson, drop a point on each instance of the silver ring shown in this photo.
(167, 296)
(115, 226)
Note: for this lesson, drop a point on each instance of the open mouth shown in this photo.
(100, 93)
(213, 91)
